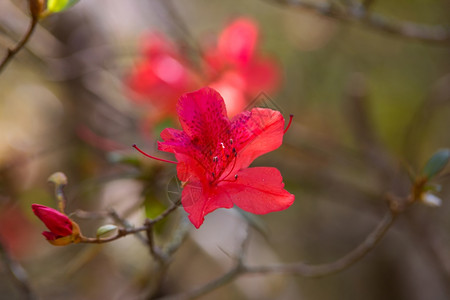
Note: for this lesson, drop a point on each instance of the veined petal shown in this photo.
(256, 132)
(203, 115)
(259, 190)
(175, 141)
(188, 156)
(198, 202)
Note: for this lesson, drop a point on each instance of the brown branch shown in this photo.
(122, 232)
(357, 13)
(305, 270)
(154, 250)
(10, 53)
(297, 269)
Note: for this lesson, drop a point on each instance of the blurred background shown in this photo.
(368, 107)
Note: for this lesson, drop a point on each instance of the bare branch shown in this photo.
(297, 269)
(305, 270)
(133, 230)
(12, 52)
(357, 13)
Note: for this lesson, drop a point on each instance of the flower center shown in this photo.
(223, 162)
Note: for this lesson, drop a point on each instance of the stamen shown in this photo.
(234, 165)
(235, 178)
(223, 146)
(289, 124)
(156, 158)
(231, 141)
(215, 158)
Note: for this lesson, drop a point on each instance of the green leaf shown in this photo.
(153, 208)
(56, 6)
(105, 229)
(436, 163)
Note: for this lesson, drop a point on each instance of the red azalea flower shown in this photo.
(162, 76)
(214, 152)
(63, 231)
(235, 65)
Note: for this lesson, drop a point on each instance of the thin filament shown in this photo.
(156, 158)
(234, 165)
(289, 124)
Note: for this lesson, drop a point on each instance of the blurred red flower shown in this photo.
(214, 152)
(15, 231)
(162, 75)
(63, 230)
(232, 66)
(237, 69)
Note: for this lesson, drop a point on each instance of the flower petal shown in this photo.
(198, 202)
(175, 141)
(56, 222)
(259, 190)
(203, 115)
(237, 41)
(256, 132)
(262, 75)
(50, 236)
(232, 88)
(188, 157)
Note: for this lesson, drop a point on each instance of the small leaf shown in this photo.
(56, 6)
(430, 199)
(106, 229)
(436, 188)
(436, 163)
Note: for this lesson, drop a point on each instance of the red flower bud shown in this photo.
(63, 231)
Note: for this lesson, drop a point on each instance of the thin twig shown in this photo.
(228, 277)
(359, 14)
(297, 269)
(12, 52)
(154, 250)
(164, 214)
(305, 270)
(122, 232)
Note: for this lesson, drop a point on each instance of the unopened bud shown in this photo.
(430, 199)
